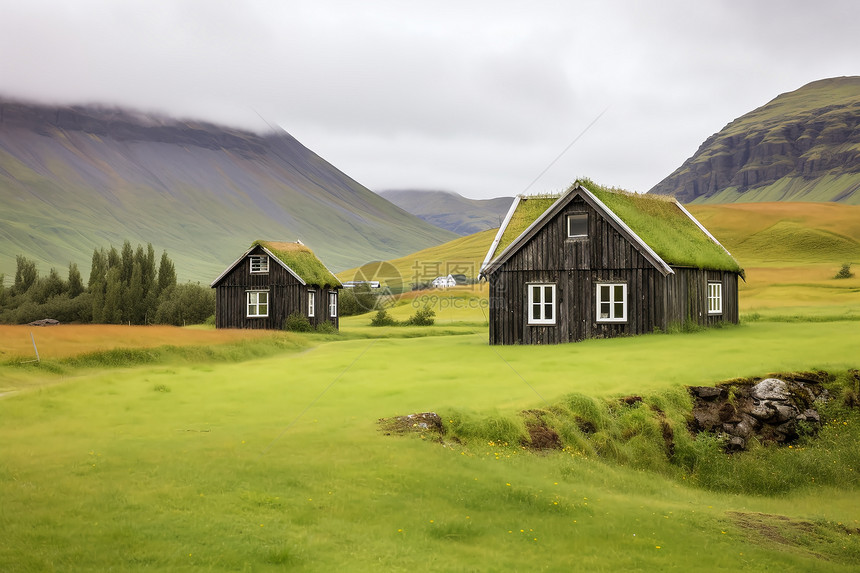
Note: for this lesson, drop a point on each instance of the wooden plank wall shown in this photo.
(576, 306)
(688, 295)
(321, 311)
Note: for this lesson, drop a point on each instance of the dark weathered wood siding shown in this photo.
(576, 267)
(687, 292)
(286, 295)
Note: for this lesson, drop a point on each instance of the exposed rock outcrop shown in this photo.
(422, 422)
(799, 139)
(769, 410)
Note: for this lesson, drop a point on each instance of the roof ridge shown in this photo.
(545, 195)
(664, 238)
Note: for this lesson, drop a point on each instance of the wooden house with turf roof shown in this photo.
(272, 280)
(599, 263)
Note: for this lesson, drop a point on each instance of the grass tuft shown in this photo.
(282, 556)
(454, 531)
(497, 429)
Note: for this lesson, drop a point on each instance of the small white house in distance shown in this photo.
(444, 282)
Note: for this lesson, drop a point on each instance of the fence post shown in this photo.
(34, 348)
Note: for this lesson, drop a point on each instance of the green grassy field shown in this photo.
(277, 462)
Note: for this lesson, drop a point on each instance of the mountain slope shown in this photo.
(76, 178)
(785, 232)
(450, 210)
(802, 146)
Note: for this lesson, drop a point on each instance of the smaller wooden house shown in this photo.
(595, 263)
(272, 280)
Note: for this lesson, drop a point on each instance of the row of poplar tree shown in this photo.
(125, 287)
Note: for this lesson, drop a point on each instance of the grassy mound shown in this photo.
(651, 433)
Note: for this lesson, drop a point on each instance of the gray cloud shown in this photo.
(471, 97)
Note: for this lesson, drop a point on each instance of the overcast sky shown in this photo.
(472, 97)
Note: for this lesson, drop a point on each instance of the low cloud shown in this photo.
(474, 98)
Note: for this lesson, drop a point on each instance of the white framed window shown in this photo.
(612, 302)
(541, 304)
(259, 263)
(577, 226)
(258, 303)
(332, 304)
(311, 303)
(715, 298)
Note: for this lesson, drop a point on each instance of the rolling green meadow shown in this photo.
(266, 453)
(277, 462)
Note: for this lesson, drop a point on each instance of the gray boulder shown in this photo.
(772, 389)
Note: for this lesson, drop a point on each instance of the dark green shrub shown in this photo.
(327, 328)
(357, 300)
(297, 322)
(422, 317)
(382, 318)
(844, 272)
(188, 303)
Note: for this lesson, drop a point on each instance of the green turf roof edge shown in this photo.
(661, 223)
(302, 261)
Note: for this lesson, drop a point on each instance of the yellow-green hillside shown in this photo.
(463, 255)
(791, 253)
(778, 233)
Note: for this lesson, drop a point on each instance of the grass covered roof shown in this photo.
(302, 261)
(660, 222)
(527, 211)
(666, 228)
